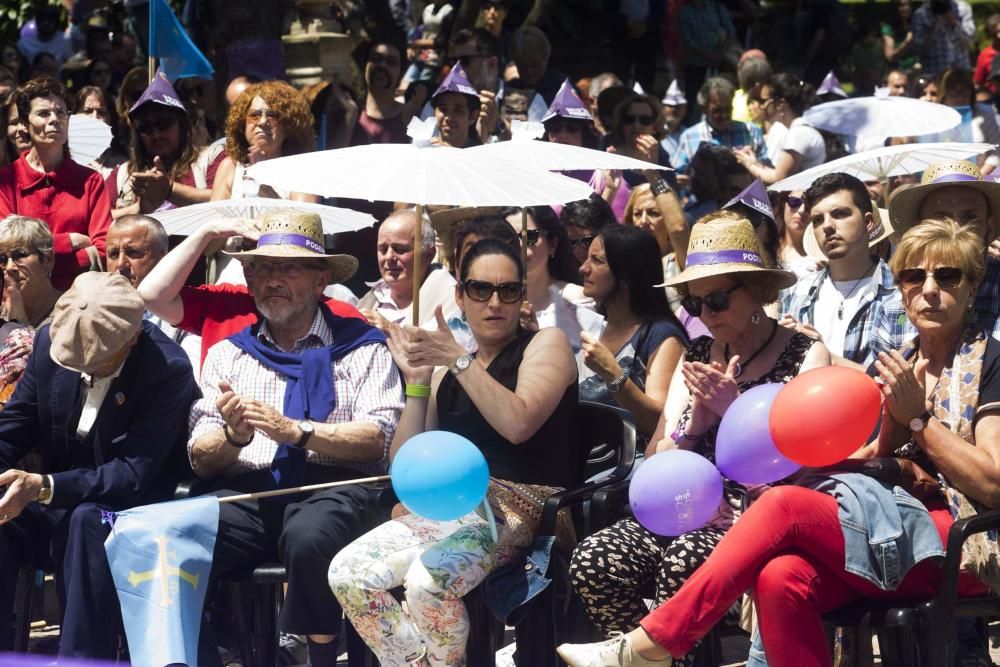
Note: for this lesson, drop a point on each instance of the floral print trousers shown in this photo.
(436, 563)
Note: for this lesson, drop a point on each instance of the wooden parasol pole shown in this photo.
(300, 489)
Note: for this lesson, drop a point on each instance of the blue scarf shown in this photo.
(309, 391)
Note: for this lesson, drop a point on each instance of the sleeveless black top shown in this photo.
(548, 457)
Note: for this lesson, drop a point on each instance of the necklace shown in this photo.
(739, 366)
(843, 299)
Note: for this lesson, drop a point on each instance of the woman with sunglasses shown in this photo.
(631, 364)
(268, 120)
(583, 220)
(45, 183)
(515, 399)
(554, 297)
(789, 215)
(165, 168)
(728, 285)
(940, 419)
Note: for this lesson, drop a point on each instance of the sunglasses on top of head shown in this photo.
(716, 302)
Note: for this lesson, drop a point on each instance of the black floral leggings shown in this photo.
(614, 569)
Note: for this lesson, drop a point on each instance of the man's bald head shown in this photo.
(236, 88)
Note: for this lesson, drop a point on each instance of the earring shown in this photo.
(755, 318)
(463, 316)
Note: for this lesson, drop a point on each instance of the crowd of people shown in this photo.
(263, 354)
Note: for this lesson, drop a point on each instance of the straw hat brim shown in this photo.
(445, 222)
(904, 209)
(813, 249)
(341, 267)
(786, 278)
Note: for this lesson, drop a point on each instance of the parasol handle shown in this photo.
(300, 489)
(524, 246)
(418, 252)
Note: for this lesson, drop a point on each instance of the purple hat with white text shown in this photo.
(567, 104)
(456, 82)
(755, 198)
(159, 92)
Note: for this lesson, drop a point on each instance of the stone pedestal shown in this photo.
(316, 46)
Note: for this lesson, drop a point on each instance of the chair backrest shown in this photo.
(607, 438)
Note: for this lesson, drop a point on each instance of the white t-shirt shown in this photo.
(807, 142)
(830, 319)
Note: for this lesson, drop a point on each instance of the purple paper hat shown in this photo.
(567, 104)
(754, 197)
(456, 82)
(831, 85)
(674, 96)
(159, 92)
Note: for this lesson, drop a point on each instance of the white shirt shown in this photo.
(807, 142)
(829, 319)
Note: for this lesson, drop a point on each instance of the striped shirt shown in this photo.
(367, 387)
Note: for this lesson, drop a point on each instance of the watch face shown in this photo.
(306, 427)
(463, 362)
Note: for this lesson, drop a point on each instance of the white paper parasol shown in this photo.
(186, 219)
(88, 138)
(877, 118)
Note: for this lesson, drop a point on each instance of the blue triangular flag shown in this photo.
(161, 557)
(169, 42)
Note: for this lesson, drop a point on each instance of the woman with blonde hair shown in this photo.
(268, 120)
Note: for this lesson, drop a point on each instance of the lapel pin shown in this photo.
(119, 399)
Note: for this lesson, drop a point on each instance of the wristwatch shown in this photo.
(461, 364)
(307, 429)
(45, 493)
(919, 423)
(616, 385)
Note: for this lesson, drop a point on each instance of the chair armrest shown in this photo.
(961, 531)
(195, 486)
(562, 499)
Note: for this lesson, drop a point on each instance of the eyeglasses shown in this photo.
(795, 203)
(642, 119)
(557, 125)
(285, 269)
(717, 302)
(467, 61)
(482, 291)
(946, 277)
(258, 115)
(584, 241)
(532, 236)
(19, 256)
(158, 125)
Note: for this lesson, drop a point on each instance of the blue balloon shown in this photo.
(440, 475)
(675, 492)
(744, 449)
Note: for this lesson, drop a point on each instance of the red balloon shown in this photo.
(824, 415)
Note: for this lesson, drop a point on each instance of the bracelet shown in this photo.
(680, 433)
(659, 187)
(232, 441)
(418, 390)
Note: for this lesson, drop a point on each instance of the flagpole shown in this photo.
(300, 489)
(418, 250)
(152, 68)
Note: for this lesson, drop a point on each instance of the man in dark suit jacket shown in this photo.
(104, 401)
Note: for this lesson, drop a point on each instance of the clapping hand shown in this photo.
(598, 358)
(397, 340)
(233, 410)
(435, 347)
(902, 385)
(712, 387)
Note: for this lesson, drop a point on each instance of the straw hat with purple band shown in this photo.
(294, 235)
(159, 92)
(880, 231)
(94, 320)
(754, 197)
(722, 246)
(456, 82)
(831, 85)
(567, 104)
(674, 97)
(904, 207)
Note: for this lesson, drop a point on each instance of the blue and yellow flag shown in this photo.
(169, 42)
(161, 558)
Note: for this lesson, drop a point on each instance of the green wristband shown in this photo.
(418, 390)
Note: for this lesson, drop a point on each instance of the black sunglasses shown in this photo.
(946, 277)
(532, 235)
(642, 119)
(795, 203)
(716, 301)
(563, 125)
(159, 125)
(480, 290)
(584, 241)
(17, 255)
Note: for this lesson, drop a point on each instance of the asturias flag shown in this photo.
(161, 557)
(169, 42)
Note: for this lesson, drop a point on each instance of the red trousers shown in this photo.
(789, 550)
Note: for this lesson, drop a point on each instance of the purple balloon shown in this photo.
(744, 450)
(675, 492)
(29, 30)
